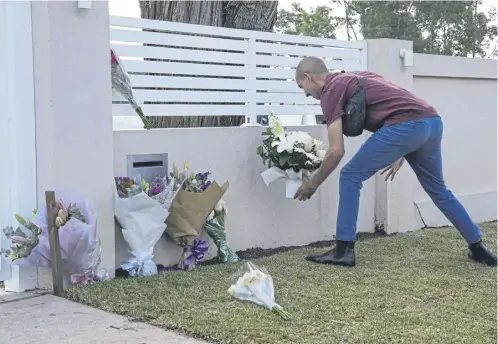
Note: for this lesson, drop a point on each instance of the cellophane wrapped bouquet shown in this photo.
(141, 209)
(291, 155)
(215, 226)
(195, 199)
(121, 83)
(255, 284)
(80, 246)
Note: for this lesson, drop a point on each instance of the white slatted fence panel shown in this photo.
(210, 71)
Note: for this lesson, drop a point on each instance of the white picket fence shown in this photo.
(210, 71)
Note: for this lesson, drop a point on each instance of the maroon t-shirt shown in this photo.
(387, 103)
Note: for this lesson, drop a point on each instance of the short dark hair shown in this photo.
(311, 65)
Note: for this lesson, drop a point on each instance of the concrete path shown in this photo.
(31, 318)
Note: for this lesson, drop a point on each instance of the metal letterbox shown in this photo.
(148, 166)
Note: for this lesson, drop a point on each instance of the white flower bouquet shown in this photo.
(256, 285)
(292, 155)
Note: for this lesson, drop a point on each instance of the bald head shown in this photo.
(310, 65)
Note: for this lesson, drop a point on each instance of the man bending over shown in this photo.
(405, 128)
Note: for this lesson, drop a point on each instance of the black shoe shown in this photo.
(482, 254)
(342, 254)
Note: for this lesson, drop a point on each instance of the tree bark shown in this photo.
(248, 15)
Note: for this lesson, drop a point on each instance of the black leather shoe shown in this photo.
(482, 254)
(342, 254)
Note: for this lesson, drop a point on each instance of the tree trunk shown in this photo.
(248, 15)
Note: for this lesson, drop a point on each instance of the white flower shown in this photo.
(321, 153)
(285, 143)
(220, 206)
(211, 216)
(257, 286)
(303, 138)
(318, 144)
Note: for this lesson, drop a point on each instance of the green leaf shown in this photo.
(282, 160)
(259, 150)
(20, 219)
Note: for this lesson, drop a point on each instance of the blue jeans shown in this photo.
(419, 142)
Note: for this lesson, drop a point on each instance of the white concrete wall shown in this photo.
(259, 216)
(464, 92)
(73, 108)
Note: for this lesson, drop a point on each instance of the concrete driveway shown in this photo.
(46, 319)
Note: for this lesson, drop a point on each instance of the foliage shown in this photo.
(22, 243)
(458, 28)
(317, 22)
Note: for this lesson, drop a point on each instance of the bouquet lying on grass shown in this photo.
(197, 196)
(79, 243)
(256, 285)
(292, 155)
(141, 209)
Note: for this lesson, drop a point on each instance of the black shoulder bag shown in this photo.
(355, 111)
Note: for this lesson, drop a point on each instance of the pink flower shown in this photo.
(114, 60)
(19, 240)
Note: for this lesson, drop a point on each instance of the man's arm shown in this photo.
(334, 154)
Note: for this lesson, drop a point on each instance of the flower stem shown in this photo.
(280, 311)
(145, 120)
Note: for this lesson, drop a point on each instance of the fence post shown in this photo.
(394, 208)
(55, 246)
(74, 134)
(252, 117)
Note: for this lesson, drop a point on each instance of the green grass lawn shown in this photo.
(410, 288)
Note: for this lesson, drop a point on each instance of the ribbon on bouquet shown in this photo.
(194, 255)
(196, 251)
(293, 180)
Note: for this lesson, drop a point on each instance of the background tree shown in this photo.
(247, 15)
(318, 22)
(458, 28)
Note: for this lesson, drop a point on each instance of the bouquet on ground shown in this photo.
(79, 243)
(196, 197)
(292, 155)
(215, 227)
(256, 285)
(121, 83)
(141, 209)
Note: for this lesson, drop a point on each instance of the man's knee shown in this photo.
(441, 195)
(349, 175)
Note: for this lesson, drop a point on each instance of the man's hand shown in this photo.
(305, 191)
(393, 169)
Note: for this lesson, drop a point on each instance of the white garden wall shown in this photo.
(464, 91)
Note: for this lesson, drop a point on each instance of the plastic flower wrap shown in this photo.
(290, 155)
(256, 285)
(215, 227)
(80, 246)
(121, 83)
(141, 209)
(197, 196)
